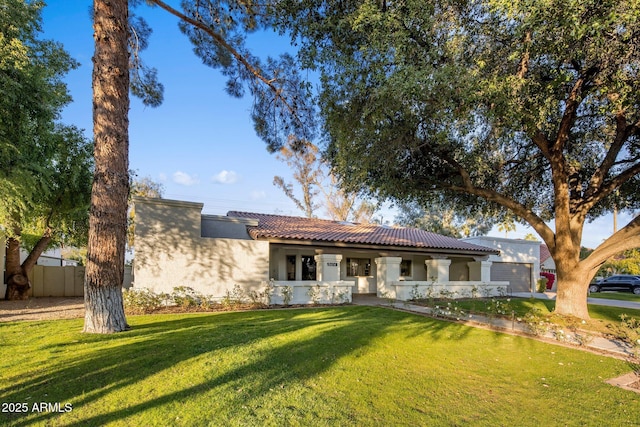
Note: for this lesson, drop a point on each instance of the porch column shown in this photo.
(480, 270)
(438, 269)
(279, 259)
(328, 267)
(388, 271)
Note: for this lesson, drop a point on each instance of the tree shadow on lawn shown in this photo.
(320, 337)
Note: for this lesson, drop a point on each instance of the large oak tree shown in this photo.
(499, 105)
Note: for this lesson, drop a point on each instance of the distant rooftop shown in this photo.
(544, 253)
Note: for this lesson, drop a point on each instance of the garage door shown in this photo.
(518, 275)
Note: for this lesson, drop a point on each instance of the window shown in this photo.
(308, 267)
(291, 267)
(405, 268)
(307, 264)
(358, 267)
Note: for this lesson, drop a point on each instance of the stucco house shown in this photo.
(519, 262)
(546, 262)
(176, 245)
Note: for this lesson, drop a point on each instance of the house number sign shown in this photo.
(332, 264)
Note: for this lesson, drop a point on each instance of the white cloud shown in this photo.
(258, 195)
(184, 178)
(225, 177)
(162, 176)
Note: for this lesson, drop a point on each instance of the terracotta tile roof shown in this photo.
(544, 253)
(278, 227)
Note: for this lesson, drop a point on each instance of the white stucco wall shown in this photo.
(511, 250)
(548, 264)
(516, 251)
(170, 252)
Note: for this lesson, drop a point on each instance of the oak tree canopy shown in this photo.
(492, 106)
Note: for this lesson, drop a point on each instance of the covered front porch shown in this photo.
(323, 284)
(329, 278)
(391, 284)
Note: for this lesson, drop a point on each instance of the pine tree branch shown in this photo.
(220, 40)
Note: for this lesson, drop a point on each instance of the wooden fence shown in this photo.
(48, 281)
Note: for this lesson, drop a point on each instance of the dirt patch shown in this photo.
(50, 308)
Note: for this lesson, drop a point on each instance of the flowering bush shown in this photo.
(628, 331)
(551, 278)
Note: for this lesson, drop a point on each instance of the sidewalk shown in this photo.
(594, 343)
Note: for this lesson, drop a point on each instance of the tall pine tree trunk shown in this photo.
(104, 310)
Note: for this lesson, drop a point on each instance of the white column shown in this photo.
(438, 269)
(480, 271)
(328, 267)
(280, 259)
(388, 271)
(298, 268)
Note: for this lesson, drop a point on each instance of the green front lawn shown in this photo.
(601, 315)
(620, 296)
(345, 366)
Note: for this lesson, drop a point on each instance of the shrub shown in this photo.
(416, 295)
(261, 299)
(287, 294)
(142, 300)
(234, 297)
(255, 298)
(339, 297)
(451, 310)
(496, 307)
(267, 292)
(551, 278)
(628, 331)
(185, 296)
(542, 284)
(536, 322)
(315, 293)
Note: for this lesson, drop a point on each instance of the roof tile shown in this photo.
(545, 254)
(312, 229)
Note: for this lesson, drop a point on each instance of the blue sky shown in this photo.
(200, 142)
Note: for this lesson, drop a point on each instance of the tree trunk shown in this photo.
(571, 295)
(17, 280)
(18, 283)
(18, 286)
(104, 311)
